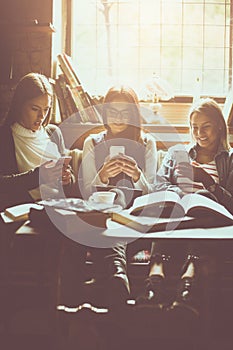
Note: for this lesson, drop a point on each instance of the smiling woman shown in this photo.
(208, 171)
(210, 165)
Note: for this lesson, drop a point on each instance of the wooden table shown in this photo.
(115, 231)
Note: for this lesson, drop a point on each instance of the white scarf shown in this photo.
(33, 148)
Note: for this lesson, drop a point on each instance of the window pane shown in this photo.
(150, 58)
(172, 35)
(127, 13)
(149, 35)
(171, 12)
(85, 13)
(193, 13)
(193, 36)
(128, 36)
(84, 34)
(214, 81)
(214, 14)
(174, 77)
(128, 58)
(171, 57)
(192, 58)
(213, 58)
(189, 81)
(214, 36)
(150, 12)
(179, 40)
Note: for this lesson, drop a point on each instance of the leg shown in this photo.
(112, 263)
(72, 274)
(186, 293)
(157, 267)
(155, 281)
(161, 253)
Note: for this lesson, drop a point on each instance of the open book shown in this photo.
(20, 212)
(165, 210)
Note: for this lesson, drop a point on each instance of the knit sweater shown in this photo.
(14, 186)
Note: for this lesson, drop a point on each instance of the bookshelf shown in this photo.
(71, 96)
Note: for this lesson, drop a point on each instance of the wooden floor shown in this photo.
(30, 323)
(28, 319)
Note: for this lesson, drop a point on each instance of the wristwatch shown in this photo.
(212, 188)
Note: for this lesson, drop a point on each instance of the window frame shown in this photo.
(67, 47)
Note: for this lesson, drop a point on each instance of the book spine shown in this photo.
(76, 93)
(91, 112)
(61, 100)
(69, 62)
(83, 115)
(70, 105)
(83, 97)
(67, 71)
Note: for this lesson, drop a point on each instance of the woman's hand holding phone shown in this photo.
(61, 170)
(129, 167)
(66, 175)
(110, 168)
(195, 172)
(66, 169)
(119, 163)
(49, 172)
(183, 168)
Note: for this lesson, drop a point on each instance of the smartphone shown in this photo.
(116, 150)
(181, 156)
(64, 160)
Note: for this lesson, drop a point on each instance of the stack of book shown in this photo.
(72, 98)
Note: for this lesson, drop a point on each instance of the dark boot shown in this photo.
(154, 291)
(186, 297)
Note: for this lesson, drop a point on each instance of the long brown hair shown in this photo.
(30, 86)
(211, 109)
(129, 95)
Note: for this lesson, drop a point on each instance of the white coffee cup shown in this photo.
(105, 197)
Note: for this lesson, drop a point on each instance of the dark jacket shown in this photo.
(14, 186)
(167, 178)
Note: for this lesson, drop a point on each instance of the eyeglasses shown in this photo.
(112, 114)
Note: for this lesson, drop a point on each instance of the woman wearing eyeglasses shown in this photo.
(136, 168)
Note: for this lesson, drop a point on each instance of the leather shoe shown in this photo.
(185, 298)
(154, 291)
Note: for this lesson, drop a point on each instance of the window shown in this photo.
(188, 43)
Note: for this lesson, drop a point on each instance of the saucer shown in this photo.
(104, 207)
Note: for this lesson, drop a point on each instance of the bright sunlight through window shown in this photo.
(186, 43)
